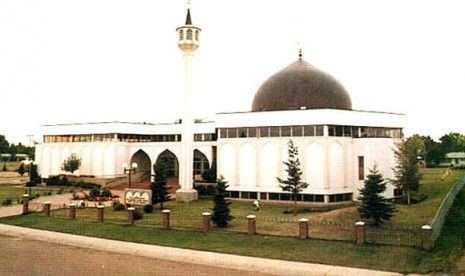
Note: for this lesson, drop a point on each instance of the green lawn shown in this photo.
(15, 192)
(446, 257)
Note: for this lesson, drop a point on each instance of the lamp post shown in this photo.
(130, 170)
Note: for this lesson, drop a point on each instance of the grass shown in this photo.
(15, 192)
(315, 251)
(447, 256)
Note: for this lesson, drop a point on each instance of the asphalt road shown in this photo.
(20, 256)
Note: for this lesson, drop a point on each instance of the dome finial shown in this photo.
(300, 53)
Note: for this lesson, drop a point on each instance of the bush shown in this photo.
(86, 185)
(148, 208)
(7, 202)
(106, 193)
(95, 192)
(138, 215)
(118, 206)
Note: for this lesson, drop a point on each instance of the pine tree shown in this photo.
(221, 213)
(160, 193)
(373, 204)
(293, 183)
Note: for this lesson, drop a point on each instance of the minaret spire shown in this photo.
(188, 17)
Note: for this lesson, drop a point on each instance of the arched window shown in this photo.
(181, 34)
(196, 35)
(189, 34)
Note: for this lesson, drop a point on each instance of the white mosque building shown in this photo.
(337, 145)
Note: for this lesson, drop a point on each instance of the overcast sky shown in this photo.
(64, 61)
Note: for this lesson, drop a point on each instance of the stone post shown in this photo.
(427, 237)
(47, 205)
(100, 209)
(252, 228)
(131, 211)
(206, 221)
(25, 204)
(360, 228)
(303, 228)
(72, 211)
(166, 219)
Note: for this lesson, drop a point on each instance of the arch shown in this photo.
(247, 166)
(197, 35)
(55, 166)
(315, 160)
(143, 165)
(172, 170)
(86, 164)
(227, 163)
(336, 165)
(268, 166)
(201, 165)
(97, 161)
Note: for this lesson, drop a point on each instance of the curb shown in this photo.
(252, 264)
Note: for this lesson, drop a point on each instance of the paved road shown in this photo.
(19, 256)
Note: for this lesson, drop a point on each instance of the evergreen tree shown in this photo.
(293, 183)
(407, 176)
(221, 213)
(160, 193)
(373, 204)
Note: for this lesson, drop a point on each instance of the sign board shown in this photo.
(137, 196)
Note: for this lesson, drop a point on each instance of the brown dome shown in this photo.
(301, 86)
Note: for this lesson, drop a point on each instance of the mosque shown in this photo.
(337, 145)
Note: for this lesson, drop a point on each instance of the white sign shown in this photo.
(137, 196)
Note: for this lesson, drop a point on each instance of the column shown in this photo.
(252, 228)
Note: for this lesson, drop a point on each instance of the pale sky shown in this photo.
(64, 61)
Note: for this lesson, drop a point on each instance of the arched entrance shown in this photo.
(172, 165)
(201, 166)
(143, 172)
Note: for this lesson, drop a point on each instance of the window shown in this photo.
(319, 130)
(181, 34)
(286, 131)
(232, 132)
(309, 130)
(189, 34)
(274, 131)
(243, 132)
(264, 132)
(297, 131)
(252, 132)
(197, 35)
(361, 168)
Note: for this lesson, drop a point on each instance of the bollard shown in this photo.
(427, 237)
(252, 228)
(303, 228)
(166, 219)
(206, 221)
(100, 209)
(47, 208)
(131, 211)
(360, 228)
(25, 204)
(72, 211)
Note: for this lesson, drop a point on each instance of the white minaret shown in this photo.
(188, 42)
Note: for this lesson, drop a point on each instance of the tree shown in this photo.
(373, 204)
(71, 164)
(160, 193)
(406, 174)
(221, 213)
(293, 183)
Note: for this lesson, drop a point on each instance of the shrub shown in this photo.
(148, 208)
(138, 215)
(86, 185)
(118, 206)
(7, 202)
(106, 193)
(94, 192)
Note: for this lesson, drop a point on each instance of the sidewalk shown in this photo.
(251, 264)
